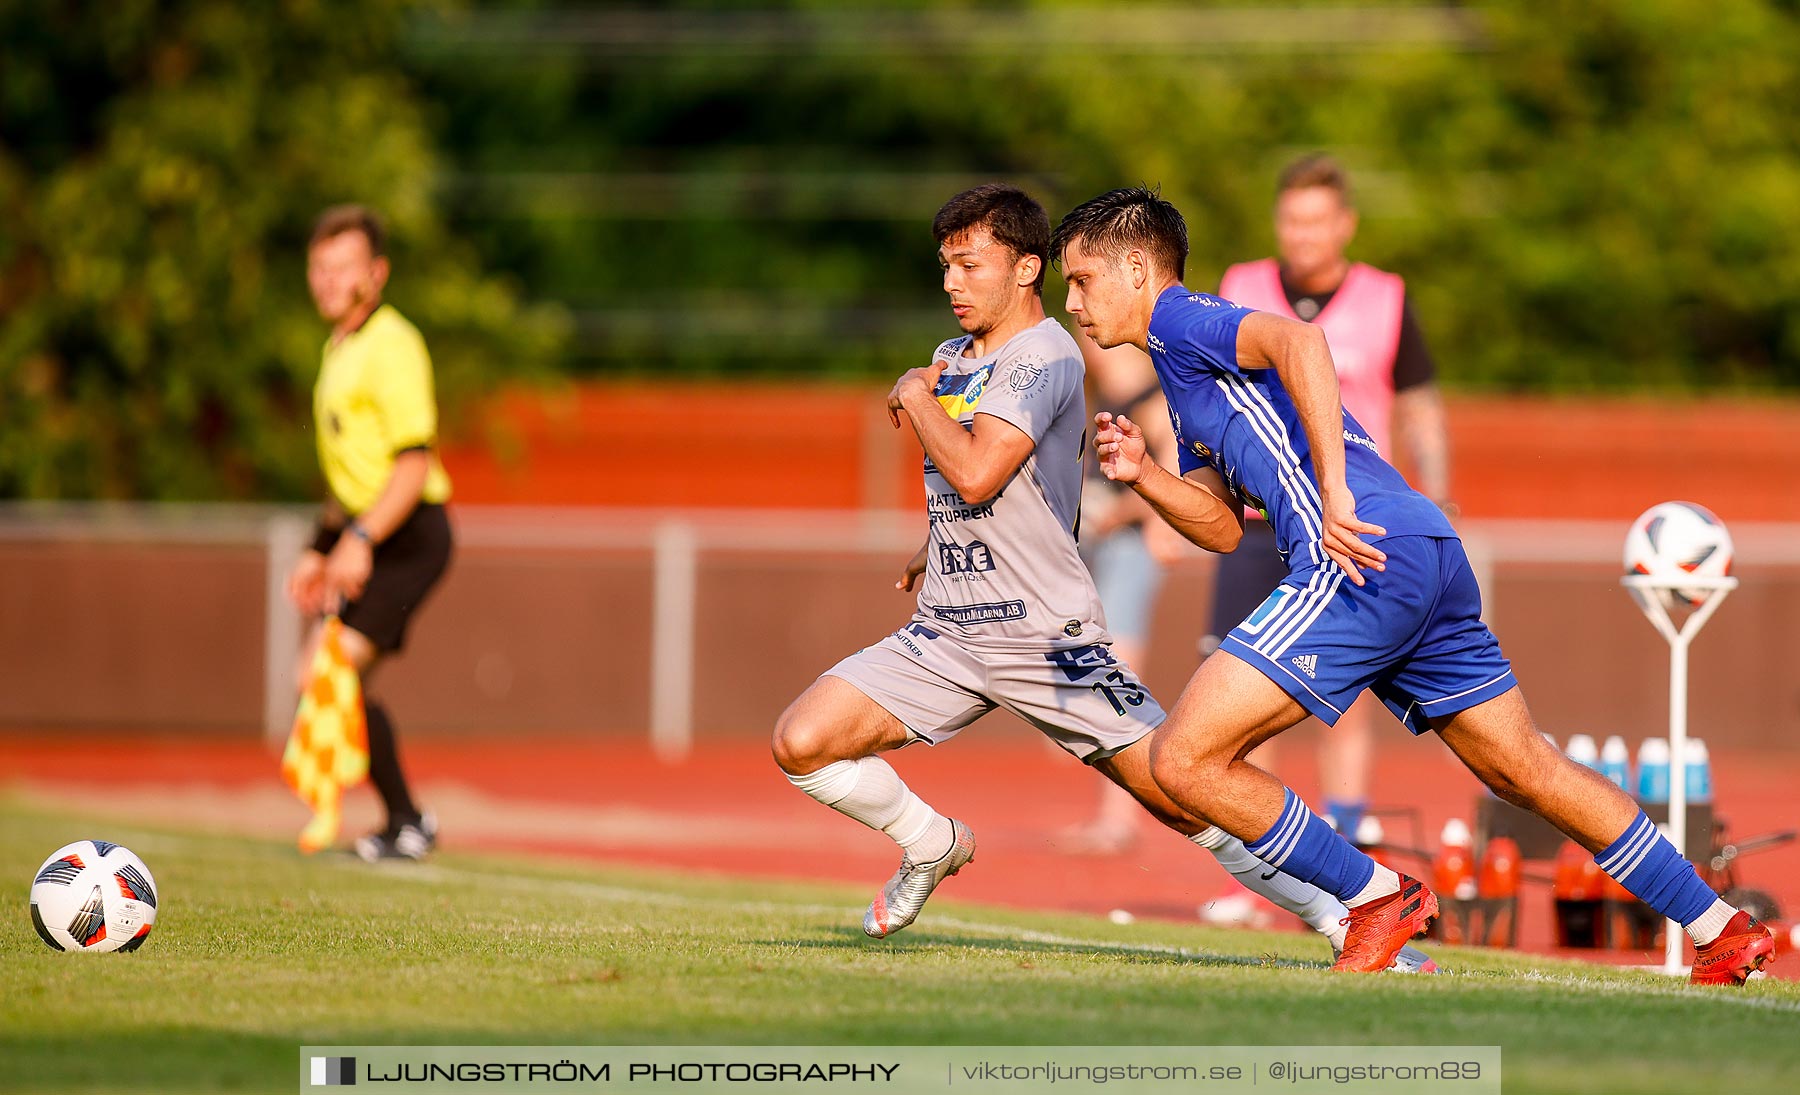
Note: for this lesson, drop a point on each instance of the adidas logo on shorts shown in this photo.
(1307, 663)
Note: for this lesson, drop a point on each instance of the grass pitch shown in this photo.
(257, 951)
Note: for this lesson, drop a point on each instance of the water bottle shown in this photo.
(1582, 751)
(1454, 868)
(1497, 882)
(1578, 890)
(1578, 877)
(1500, 870)
(1653, 770)
(1615, 761)
(1453, 873)
(1699, 771)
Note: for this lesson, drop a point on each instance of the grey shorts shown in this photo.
(1084, 699)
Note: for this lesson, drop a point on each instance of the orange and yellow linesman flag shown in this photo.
(328, 749)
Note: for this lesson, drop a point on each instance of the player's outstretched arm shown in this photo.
(1298, 354)
(1198, 507)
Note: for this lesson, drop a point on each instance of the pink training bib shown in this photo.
(1361, 325)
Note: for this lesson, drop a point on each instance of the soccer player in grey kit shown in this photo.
(1007, 614)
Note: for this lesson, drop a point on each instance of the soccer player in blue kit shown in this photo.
(1379, 595)
(1007, 616)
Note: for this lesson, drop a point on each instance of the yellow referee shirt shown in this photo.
(375, 399)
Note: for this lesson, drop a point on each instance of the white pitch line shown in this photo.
(570, 887)
(1593, 985)
(437, 872)
(1676, 990)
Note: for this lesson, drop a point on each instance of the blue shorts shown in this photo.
(1412, 634)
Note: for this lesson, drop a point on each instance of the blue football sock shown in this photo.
(1303, 846)
(1644, 862)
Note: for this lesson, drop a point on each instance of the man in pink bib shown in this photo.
(1388, 382)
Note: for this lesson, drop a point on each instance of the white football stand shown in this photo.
(1643, 589)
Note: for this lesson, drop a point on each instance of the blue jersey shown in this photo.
(1242, 423)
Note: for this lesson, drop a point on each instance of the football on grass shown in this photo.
(93, 896)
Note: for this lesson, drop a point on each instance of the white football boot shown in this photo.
(899, 902)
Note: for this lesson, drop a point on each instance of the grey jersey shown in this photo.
(1005, 574)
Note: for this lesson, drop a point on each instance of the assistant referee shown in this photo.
(383, 538)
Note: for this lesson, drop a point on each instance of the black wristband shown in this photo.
(357, 529)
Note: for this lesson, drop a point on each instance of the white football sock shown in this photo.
(1710, 924)
(1321, 911)
(1382, 883)
(870, 791)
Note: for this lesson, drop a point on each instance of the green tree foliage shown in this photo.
(1583, 196)
(1627, 175)
(1591, 195)
(160, 167)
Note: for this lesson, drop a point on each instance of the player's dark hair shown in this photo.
(1315, 169)
(1119, 221)
(351, 218)
(1011, 216)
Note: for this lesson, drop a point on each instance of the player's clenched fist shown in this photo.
(925, 378)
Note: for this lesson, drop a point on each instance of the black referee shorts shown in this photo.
(407, 567)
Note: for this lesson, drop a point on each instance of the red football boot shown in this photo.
(1739, 951)
(1379, 928)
